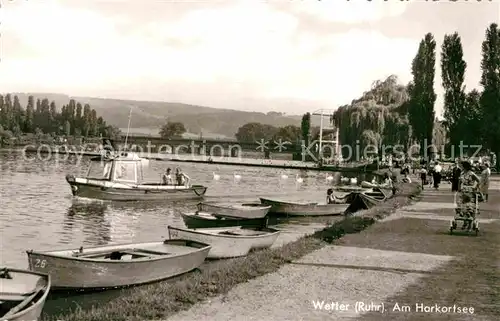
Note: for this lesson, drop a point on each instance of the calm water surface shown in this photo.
(37, 210)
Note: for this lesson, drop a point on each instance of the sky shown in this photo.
(290, 56)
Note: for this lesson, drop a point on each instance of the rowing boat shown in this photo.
(246, 210)
(118, 265)
(366, 200)
(230, 241)
(303, 209)
(207, 220)
(22, 294)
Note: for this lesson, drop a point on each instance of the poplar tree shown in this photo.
(490, 97)
(422, 96)
(453, 69)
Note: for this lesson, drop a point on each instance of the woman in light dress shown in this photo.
(484, 185)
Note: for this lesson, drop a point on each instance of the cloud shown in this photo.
(347, 11)
(243, 53)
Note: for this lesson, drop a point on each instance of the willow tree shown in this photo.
(376, 120)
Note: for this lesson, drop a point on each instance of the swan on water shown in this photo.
(284, 176)
(216, 176)
(329, 177)
(354, 180)
(299, 179)
(237, 176)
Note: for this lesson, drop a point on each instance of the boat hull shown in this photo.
(33, 312)
(223, 246)
(67, 272)
(200, 220)
(367, 200)
(121, 192)
(248, 211)
(298, 209)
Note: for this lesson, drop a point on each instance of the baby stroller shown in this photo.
(466, 210)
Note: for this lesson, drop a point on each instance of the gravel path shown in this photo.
(390, 267)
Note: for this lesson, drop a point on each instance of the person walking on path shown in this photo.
(455, 177)
(485, 181)
(423, 175)
(437, 175)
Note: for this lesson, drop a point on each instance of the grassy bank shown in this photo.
(163, 299)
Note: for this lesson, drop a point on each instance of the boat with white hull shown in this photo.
(246, 210)
(230, 241)
(22, 294)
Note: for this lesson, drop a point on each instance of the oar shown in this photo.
(24, 303)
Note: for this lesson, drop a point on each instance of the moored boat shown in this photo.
(118, 265)
(303, 209)
(120, 178)
(22, 294)
(366, 200)
(246, 210)
(230, 241)
(207, 220)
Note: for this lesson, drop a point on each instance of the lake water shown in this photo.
(37, 210)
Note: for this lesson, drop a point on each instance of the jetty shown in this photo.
(222, 160)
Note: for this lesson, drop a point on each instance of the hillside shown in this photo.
(148, 116)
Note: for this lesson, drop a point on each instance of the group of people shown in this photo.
(179, 178)
(461, 173)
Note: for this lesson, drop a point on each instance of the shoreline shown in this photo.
(164, 299)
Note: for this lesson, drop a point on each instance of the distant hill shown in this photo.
(148, 116)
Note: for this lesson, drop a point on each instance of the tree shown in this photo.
(473, 119)
(305, 127)
(490, 97)
(30, 114)
(172, 130)
(453, 69)
(255, 132)
(289, 133)
(422, 95)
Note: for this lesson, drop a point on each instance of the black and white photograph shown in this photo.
(234, 160)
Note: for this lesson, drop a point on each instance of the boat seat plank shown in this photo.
(11, 287)
(11, 297)
(154, 252)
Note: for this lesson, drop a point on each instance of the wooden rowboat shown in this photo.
(303, 209)
(207, 220)
(230, 241)
(118, 265)
(22, 294)
(248, 210)
(363, 201)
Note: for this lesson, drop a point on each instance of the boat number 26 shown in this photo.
(40, 263)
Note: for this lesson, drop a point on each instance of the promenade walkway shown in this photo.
(399, 269)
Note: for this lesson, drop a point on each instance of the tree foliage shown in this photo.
(172, 130)
(453, 69)
(43, 116)
(255, 132)
(377, 117)
(490, 81)
(305, 127)
(422, 96)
